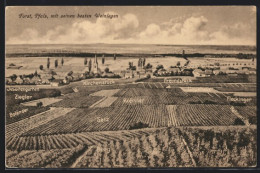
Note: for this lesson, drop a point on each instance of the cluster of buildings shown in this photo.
(223, 71)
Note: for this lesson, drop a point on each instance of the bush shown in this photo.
(138, 125)
(41, 67)
(238, 121)
(252, 120)
(39, 104)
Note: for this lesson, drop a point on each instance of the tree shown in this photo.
(48, 63)
(35, 73)
(52, 73)
(85, 61)
(12, 64)
(148, 66)
(159, 67)
(107, 70)
(41, 67)
(144, 62)
(13, 77)
(178, 63)
(62, 61)
(130, 64)
(139, 62)
(70, 73)
(133, 68)
(103, 60)
(89, 65)
(114, 56)
(56, 63)
(39, 104)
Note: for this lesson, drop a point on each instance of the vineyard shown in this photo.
(121, 118)
(162, 147)
(89, 127)
(24, 125)
(248, 112)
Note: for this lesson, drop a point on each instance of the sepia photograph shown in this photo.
(130, 87)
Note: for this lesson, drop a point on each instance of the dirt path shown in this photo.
(190, 153)
(104, 98)
(240, 116)
(78, 159)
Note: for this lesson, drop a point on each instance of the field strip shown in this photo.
(150, 85)
(101, 100)
(172, 115)
(24, 125)
(190, 153)
(155, 85)
(210, 95)
(161, 84)
(106, 93)
(199, 89)
(223, 94)
(240, 116)
(107, 102)
(45, 102)
(217, 95)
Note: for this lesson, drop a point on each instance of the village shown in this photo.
(142, 70)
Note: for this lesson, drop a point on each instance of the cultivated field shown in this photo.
(163, 147)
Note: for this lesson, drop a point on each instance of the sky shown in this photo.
(175, 25)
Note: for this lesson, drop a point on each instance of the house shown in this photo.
(76, 76)
(18, 80)
(36, 80)
(129, 75)
(45, 81)
(8, 80)
(105, 74)
(216, 72)
(26, 81)
(162, 71)
(198, 73)
(174, 70)
(56, 82)
(252, 71)
(208, 72)
(66, 81)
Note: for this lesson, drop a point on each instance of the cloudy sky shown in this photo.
(215, 25)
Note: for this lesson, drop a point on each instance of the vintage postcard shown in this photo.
(130, 86)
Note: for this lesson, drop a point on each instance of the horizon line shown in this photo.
(8, 44)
